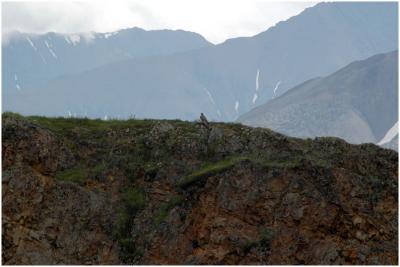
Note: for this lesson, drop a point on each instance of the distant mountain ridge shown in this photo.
(358, 103)
(31, 60)
(223, 81)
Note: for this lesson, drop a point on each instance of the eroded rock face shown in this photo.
(28, 143)
(250, 215)
(48, 222)
(171, 193)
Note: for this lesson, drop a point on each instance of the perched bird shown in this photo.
(204, 121)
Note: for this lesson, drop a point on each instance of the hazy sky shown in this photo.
(216, 20)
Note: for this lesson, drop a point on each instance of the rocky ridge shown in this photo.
(79, 191)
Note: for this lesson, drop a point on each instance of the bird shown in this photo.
(203, 120)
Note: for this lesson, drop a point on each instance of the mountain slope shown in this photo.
(79, 191)
(392, 144)
(32, 60)
(358, 103)
(226, 80)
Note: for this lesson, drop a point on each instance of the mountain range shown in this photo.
(358, 103)
(223, 81)
(31, 60)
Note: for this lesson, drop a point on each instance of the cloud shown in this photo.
(215, 20)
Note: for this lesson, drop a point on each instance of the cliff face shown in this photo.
(79, 191)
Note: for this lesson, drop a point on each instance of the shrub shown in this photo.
(151, 169)
(134, 200)
(128, 250)
(9, 114)
(77, 175)
(266, 236)
(210, 169)
(264, 240)
(166, 208)
(98, 171)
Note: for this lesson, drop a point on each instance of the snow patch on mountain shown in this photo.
(237, 106)
(52, 53)
(50, 50)
(67, 39)
(72, 115)
(34, 48)
(74, 39)
(16, 82)
(255, 98)
(44, 60)
(257, 79)
(109, 34)
(276, 87)
(390, 134)
(209, 96)
(31, 43)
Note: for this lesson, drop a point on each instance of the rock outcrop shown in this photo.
(78, 191)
